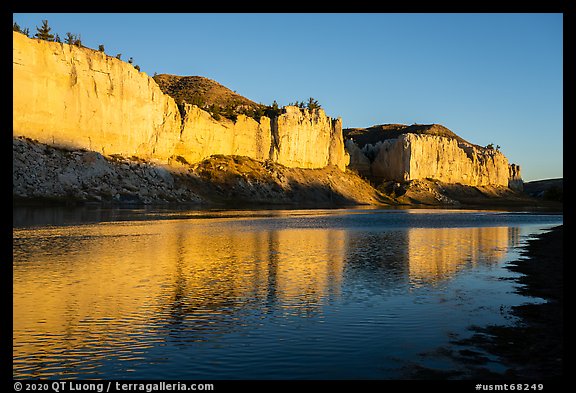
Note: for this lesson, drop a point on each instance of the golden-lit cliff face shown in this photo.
(76, 97)
(306, 138)
(202, 136)
(413, 156)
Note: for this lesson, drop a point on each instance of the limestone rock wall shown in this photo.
(358, 160)
(77, 97)
(415, 156)
(308, 139)
(515, 181)
(73, 97)
(202, 136)
(337, 154)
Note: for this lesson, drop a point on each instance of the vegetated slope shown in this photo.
(551, 189)
(374, 134)
(430, 192)
(202, 92)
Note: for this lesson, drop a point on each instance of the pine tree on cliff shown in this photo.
(78, 41)
(16, 27)
(70, 38)
(43, 32)
(313, 104)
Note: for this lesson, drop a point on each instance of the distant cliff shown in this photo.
(404, 153)
(79, 98)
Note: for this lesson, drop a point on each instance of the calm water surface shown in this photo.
(310, 294)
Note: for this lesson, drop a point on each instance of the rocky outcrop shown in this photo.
(414, 156)
(43, 172)
(202, 136)
(411, 156)
(359, 160)
(515, 181)
(76, 97)
(79, 98)
(308, 139)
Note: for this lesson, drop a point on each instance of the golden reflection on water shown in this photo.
(100, 286)
(439, 253)
(105, 289)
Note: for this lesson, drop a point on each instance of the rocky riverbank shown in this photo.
(432, 192)
(47, 174)
(533, 348)
(44, 173)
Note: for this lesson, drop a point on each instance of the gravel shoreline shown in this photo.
(534, 350)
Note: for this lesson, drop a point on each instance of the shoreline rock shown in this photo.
(48, 174)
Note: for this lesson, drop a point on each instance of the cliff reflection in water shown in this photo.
(439, 253)
(86, 294)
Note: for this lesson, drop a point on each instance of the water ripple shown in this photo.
(240, 295)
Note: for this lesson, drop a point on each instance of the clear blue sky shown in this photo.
(490, 78)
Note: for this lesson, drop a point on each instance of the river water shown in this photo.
(247, 294)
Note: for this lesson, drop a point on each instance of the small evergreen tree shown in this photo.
(16, 27)
(43, 32)
(198, 101)
(215, 111)
(273, 110)
(313, 104)
(101, 48)
(258, 113)
(137, 67)
(119, 56)
(229, 111)
(57, 38)
(78, 41)
(70, 38)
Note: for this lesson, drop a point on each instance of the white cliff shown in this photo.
(79, 98)
(413, 156)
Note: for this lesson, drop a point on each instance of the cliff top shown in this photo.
(374, 134)
(201, 91)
